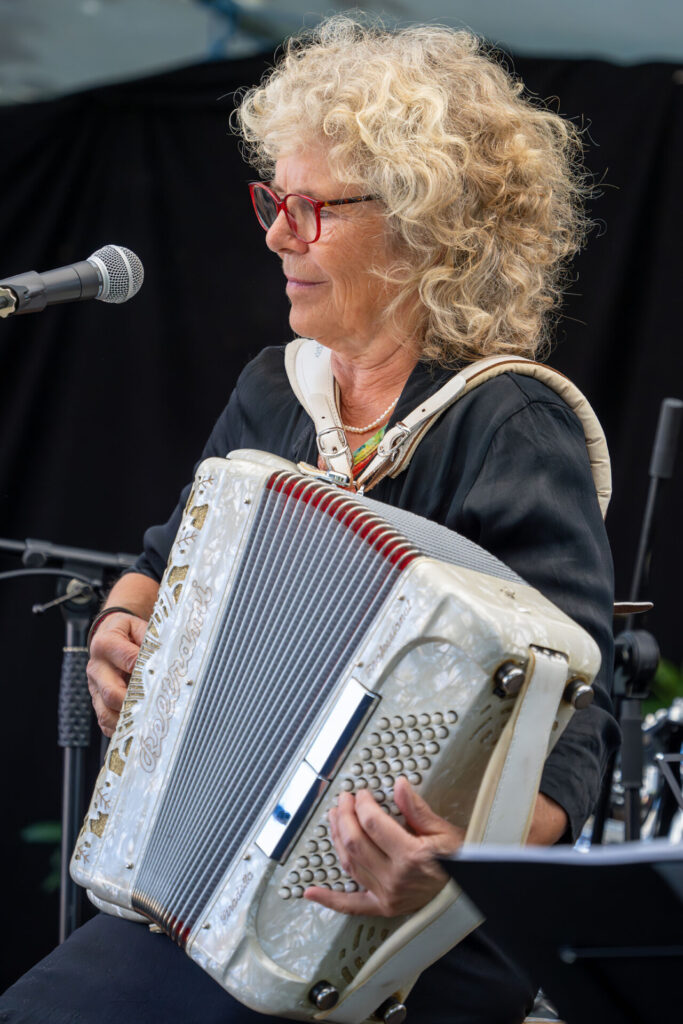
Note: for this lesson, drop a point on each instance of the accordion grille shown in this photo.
(314, 573)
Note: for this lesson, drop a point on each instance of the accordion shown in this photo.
(307, 641)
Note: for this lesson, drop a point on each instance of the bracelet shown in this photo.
(101, 616)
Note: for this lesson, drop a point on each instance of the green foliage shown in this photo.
(47, 833)
(667, 685)
(42, 832)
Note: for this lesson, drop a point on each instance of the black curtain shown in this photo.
(104, 409)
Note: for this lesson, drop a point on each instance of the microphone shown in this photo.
(112, 274)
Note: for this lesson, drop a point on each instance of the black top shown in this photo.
(506, 466)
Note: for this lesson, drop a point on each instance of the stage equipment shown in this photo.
(602, 958)
(84, 576)
(306, 642)
(112, 274)
(636, 651)
(663, 742)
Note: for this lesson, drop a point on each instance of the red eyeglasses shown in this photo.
(302, 212)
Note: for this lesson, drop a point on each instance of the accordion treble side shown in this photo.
(307, 642)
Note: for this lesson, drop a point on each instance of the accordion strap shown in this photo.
(310, 375)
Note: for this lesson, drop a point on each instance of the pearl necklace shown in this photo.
(375, 423)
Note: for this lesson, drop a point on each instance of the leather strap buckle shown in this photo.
(332, 451)
(391, 444)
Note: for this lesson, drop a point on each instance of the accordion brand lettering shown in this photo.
(167, 696)
(383, 648)
(241, 889)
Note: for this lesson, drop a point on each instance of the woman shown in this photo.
(423, 210)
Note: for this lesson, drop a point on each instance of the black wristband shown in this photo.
(101, 616)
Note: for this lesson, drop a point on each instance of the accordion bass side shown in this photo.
(306, 641)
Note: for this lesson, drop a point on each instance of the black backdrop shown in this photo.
(104, 409)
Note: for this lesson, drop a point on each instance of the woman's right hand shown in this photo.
(113, 652)
(116, 643)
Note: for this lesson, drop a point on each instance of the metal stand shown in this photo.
(637, 653)
(637, 656)
(78, 599)
(663, 735)
(74, 718)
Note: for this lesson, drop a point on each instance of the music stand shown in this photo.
(563, 916)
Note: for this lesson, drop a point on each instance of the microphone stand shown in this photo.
(636, 652)
(78, 600)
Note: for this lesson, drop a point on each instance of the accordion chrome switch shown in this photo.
(291, 812)
(347, 715)
(310, 780)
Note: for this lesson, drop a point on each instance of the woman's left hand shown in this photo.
(394, 866)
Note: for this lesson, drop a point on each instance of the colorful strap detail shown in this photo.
(364, 454)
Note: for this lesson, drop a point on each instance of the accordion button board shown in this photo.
(305, 642)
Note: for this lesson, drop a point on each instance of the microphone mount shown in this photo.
(8, 301)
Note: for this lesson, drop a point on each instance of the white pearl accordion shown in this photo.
(307, 641)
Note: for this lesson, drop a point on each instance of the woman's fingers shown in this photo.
(354, 837)
(116, 641)
(397, 868)
(443, 837)
(383, 834)
(106, 682)
(107, 688)
(345, 902)
(113, 653)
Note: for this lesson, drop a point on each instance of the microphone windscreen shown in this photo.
(121, 271)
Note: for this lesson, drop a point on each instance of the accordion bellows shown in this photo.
(305, 641)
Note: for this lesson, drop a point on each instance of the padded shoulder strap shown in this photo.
(310, 375)
(399, 443)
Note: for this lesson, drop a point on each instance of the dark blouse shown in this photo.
(505, 466)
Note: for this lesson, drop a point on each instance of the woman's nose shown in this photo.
(280, 236)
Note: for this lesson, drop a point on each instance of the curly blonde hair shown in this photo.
(483, 187)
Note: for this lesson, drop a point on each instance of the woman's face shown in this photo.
(335, 298)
